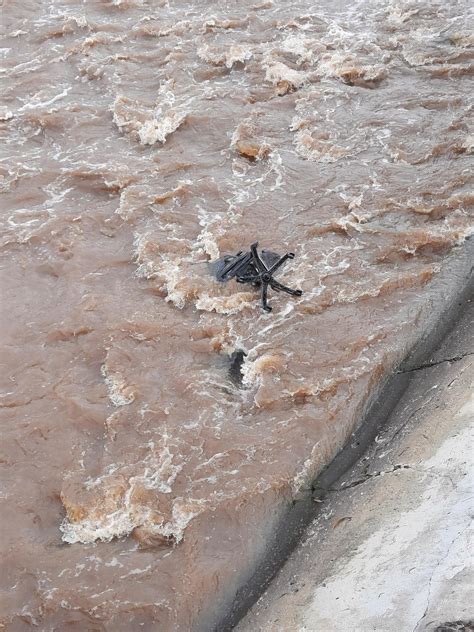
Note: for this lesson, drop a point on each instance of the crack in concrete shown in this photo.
(370, 475)
(458, 375)
(389, 441)
(364, 479)
(428, 365)
(428, 599)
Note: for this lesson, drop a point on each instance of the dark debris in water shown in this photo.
(256, 269)
(235, 369)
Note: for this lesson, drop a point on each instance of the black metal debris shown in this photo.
(256, 269)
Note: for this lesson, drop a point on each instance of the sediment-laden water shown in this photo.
(141, 141)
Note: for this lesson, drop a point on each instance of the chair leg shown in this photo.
(280, 262)
(265, 305)
(279, 286)
(261, 267)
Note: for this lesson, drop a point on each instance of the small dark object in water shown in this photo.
(250, 267)
(235, 370)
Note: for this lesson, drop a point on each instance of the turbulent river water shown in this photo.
(142, 140)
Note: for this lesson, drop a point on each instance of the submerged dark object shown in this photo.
(256, 269)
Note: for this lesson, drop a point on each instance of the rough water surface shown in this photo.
(141, 141)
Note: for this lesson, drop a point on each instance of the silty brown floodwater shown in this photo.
(141, 141)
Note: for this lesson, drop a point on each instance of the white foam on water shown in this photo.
(119, 392)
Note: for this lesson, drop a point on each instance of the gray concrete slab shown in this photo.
(391, 549)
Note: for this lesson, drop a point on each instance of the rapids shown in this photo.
(142, 140)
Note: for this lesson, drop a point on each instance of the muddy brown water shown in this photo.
(142, 140)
